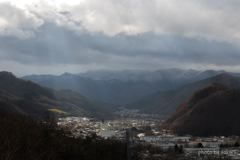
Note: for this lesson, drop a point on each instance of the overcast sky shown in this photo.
(57, 36)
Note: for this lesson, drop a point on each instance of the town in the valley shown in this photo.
(144, 129)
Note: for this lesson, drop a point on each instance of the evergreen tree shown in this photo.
(180, 150)
(236, 144)
(176, 148)
(200, 145)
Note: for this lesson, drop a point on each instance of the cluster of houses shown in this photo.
(83, 126)
(80, 126)
(127, 113)
(198, 147)
(210, 147)
(194, 147)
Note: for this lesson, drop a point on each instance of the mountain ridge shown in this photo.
(172, 74)
(113, 91)
(122, 87)
(32, 99)
(212, 110)
(165, 102)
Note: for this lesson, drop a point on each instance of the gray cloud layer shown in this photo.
(119, 35)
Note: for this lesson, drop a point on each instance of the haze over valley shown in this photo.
(123, 87)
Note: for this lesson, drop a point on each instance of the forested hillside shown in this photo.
(213, 110)
(28, 98)
(166, 102)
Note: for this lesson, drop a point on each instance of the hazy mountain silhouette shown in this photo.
(113, 91)
(32, 99)
(122, 87)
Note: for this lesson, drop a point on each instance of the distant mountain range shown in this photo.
(122, 87)
(173, 75)
(213, 110)
(113, 91)
(165, 102)
(29, 98)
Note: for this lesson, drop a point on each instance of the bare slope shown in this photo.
(213, 110)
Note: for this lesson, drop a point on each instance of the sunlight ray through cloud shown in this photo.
(124, 33)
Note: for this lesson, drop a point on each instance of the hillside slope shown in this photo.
(165, 102)
(29, 98)
(213, 110)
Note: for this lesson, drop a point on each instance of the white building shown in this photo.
(180, 139)
(165, 139)
(107, 133)
(150, 138)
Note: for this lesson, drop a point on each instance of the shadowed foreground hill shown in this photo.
(166, 102)
(28, 138)
(213, 110)
(42, 139)
(28, 98)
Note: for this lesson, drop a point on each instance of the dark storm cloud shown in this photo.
(122, 34)
(57, 45)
